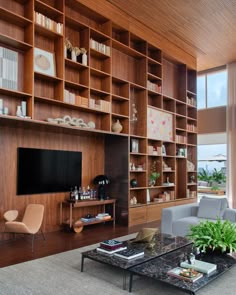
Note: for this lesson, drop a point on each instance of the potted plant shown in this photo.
(153, 177)
(209, 236)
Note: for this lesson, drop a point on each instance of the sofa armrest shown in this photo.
(171, 214)
(230, 214)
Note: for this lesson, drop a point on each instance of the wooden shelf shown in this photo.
(133, 77)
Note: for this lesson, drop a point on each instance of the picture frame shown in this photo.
(44, 62)
(134, 145)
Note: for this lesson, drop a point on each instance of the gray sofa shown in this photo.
(177, 220)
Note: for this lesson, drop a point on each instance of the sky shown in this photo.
(208, 151)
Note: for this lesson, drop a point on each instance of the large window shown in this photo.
(212, 89)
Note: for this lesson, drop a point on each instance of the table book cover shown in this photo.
(107, 251)
(199, 265)
(130, 253)
(186, 274)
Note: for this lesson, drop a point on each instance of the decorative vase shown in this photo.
(84, 59)
(18, 111)
(73, 55)
(116, 127)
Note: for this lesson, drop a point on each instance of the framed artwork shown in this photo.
(159, 125)
(134, 145)
(44, 62)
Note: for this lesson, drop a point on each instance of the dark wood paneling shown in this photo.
(92, 148)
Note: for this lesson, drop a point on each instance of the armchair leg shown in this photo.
(33, 243)
(43, 234)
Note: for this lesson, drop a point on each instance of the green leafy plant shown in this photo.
(154, 176)
(218, 176)
(205, 175)
(214, 236)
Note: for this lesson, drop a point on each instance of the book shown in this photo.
(99, 249)
(186, 274)
(130, 254)
(202, 266)
(111, 244)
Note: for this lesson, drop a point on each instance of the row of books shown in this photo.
(48, 23)
(153, 86)
(192, 272)
(100, 47)
(117, 248)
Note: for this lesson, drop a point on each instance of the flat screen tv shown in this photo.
(47, 171)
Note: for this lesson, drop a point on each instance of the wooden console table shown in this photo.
(88, 203)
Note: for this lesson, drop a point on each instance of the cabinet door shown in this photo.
(137, 216)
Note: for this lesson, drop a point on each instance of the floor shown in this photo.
(18, 250)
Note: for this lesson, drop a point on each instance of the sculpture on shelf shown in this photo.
(116, 127)
(134, 112)
(67, 120)
(101, 181)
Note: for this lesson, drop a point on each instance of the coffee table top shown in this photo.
(163, 244)
(157, 268)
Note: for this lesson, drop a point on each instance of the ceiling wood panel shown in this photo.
(204, 28)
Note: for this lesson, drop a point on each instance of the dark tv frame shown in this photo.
(41, 171)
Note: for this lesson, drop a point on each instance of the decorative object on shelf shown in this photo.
(133, 183)
(181, 152)
(133, 200)
(163, 150)
(91, 124)
(67, 48)
(67, 120)
(5, 111)
(154, 174)
(134, 145)
(18, 111)
(84, 56)
(116, 127)
(148, 196)
(133, 167)
(23, 108)
(134, 112)
(190, 166)
(44, 62)
(204, 236)
(101, 181)
(192, 178)
(75, 52)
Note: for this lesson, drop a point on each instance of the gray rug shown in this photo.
(60, 274)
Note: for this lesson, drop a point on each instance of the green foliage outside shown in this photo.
(209, 235)
(216, 176)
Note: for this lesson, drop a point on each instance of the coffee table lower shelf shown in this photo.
(157, 269)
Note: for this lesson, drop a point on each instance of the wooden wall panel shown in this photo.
(92, 148)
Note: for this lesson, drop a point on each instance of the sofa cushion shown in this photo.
(181, 227)
(210, 208)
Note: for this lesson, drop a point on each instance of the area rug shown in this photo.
(60, 274)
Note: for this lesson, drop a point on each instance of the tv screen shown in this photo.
(47, 171)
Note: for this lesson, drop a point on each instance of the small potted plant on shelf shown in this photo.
(209, 236)
(154, 174)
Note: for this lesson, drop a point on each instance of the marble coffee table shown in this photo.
(157, 269)
(162, 244)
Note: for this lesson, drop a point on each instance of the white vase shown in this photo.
(84, 59)
(23, 108)
(18, 111)
(116, 127)
(73, 56)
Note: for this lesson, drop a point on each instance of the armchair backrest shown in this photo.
(33, 216)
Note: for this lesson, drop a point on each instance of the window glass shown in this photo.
(201, 90)
(216, 89)
(212, 89)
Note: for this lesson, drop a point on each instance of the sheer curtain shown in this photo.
(231, 135)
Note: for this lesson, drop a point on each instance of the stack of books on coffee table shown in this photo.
(111, 247)
(185, 274)
(130, 253)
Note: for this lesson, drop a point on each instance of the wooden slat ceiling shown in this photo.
(204, 28)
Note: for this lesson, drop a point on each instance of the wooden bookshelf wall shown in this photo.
(123, 72)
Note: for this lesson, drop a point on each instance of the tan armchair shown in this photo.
(31, 222)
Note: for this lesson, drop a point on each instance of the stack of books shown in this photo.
(111, 246)
(202, 266)
(185, 274)
(130, 253)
